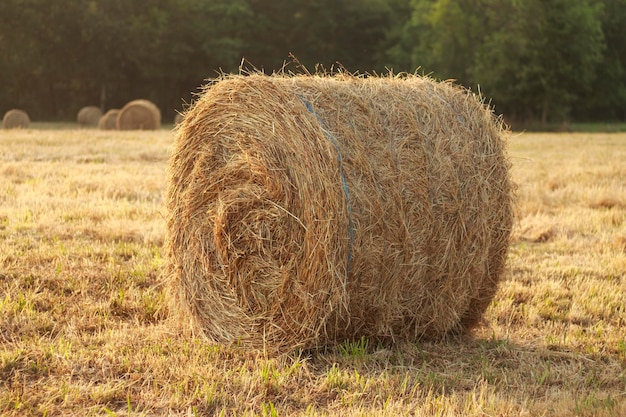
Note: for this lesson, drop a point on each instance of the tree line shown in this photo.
(536, 60)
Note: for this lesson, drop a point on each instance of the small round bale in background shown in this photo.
(15, 119)
(89, 116)
(177, 119)
(139, 115)
(308, 210)
(108, 121)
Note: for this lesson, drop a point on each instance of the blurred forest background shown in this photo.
(538, 61)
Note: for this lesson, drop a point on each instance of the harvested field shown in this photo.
(84, 315)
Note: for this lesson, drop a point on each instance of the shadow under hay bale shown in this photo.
(306, 210)
(89, 116)
(108, 121)
(139, 115)
(15, 119)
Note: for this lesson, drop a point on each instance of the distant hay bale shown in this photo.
(108, 121)
(89, 116)
(177, 119)
(307, 210)
(15, 118)
(139, 115)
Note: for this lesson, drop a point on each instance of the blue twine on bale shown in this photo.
(343, 180)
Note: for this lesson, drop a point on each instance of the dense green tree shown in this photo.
(40, 46)
(535, 58)
(325, 32)
(400, 36)
(606, 99)
(540, 59)
(19, 52)
(56, 57)
(189, 41)
(442, 37)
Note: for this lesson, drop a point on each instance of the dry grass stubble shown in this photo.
(83, 316)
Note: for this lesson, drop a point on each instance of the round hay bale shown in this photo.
(15, 118)
(177, 119)
(108, 121)
(139, 115)
(89, 116)
(307, 210)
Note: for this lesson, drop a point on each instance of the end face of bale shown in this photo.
(303, 211)
(89, 116)
(108, 121)
(15, 119)
(139, 115)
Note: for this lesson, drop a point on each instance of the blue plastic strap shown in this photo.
(346, 190)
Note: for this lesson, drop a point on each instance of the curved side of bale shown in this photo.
(108, 121)
(309, 210)
(139, 115)
(15, 118)
(89, 116)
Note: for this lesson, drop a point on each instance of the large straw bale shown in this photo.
(89, 116)
(306, 210)
(139, 115)
(15, 118)
(108, 121)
